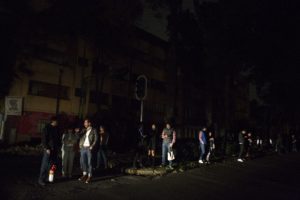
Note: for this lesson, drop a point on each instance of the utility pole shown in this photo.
(58, 96)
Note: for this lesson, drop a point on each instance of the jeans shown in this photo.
(241, 151)
(45, 167)
(47, 160)
(165, 149)
(294, 147)
(86, 159)
(210, 152)
(202, 150)
(101, 158)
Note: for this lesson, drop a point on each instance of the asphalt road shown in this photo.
(270, 177)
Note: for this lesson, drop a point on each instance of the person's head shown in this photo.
(249, 134)
(102, 129)
(204, 129)
(168, 125)
(243, 132)
(70, 129)
(53, 121)
(87, 123)
(153, 126)
(210, 133)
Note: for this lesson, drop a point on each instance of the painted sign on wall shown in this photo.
(13, 105)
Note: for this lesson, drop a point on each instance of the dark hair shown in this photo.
(53, 118)
(88, 119)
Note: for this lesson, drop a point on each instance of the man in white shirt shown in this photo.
(87, 143)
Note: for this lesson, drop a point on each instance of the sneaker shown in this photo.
(240, 160)
(83, 178)
(201, 161)
(88, 180)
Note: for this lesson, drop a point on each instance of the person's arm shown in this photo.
(142, 133)
(63, 138)
(96, 138)
(200, 137)
(107, 138)
(45, 140)
(174, 138)
(163, 135)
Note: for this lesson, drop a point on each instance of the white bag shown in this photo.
(171, 155)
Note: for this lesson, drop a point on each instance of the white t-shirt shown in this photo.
(87, 141)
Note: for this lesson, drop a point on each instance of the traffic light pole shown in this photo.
(142, 111)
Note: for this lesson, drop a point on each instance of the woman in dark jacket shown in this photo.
(102, 151)
(152, 144)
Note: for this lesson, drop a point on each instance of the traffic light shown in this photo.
(141, 87)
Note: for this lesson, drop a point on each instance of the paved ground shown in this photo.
(270, 177)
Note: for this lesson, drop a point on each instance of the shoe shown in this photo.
(42, 183)
(201, 161)
(88, 180)
(83, 178)
(170, 167)
(240, 160)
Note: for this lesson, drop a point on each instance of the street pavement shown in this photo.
(269, 177)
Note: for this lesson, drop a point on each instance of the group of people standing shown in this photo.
(168, 138)
(89, 141)
(92, 144)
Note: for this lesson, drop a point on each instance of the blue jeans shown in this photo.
(165, 150)
(45, 167)
(86, 159)
(101, 158)
(202, 150)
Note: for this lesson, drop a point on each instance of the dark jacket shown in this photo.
(104, 141)
(93, 138)
(69, 141)
(50, 137)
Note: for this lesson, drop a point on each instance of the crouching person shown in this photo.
(69, 141)
(86, 144)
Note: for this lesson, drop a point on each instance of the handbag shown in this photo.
(171, 155)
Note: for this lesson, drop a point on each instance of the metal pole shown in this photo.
(58, 97)
(142, 111)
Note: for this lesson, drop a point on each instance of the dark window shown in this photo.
(102, 97)
(84, 62)
(53, 56)
(79, 92)
(38, 88)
